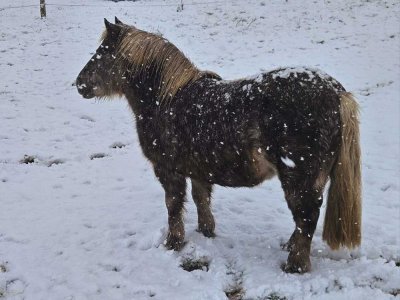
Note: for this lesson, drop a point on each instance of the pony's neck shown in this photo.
(142, 92)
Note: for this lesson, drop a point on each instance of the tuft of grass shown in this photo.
(235, 293)
(191, 264)
(275, 296)
(272, 296)
(3, 268)
(117, 145)
(235, 290)
(28, 159)
(97, 155)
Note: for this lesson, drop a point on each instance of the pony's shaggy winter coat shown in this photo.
(297, 123)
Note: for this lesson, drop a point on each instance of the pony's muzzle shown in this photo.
(83, 89)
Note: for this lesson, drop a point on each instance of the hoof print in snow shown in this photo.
(98, 155)
(87, 118)
(3, 268)
(118, 145)
(395, 292)
(55, 162)
(130, 233)
(111, 268)
(115, 269)
(191, 264)
(28, 159)
(385, 187)
(152, 294)
(12, 287)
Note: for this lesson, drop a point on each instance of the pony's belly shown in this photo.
(248, 172)
(261, 167)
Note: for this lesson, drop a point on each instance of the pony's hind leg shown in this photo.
(201, 193)
(318, 188)
(304, 200)
(175, 192)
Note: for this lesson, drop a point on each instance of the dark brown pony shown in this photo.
(298, 123)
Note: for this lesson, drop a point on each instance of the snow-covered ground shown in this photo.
(87, 220)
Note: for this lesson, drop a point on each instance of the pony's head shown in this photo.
(101, 76)
(129, 58)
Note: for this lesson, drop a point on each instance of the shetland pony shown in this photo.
(297, 123)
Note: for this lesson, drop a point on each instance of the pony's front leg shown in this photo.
(175, 192)
(201, 193)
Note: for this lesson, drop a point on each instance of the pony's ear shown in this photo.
(112, 28)
(108, 24)
(118, 21)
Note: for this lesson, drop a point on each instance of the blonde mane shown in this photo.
(137, 49)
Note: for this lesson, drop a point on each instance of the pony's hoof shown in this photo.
(207, 232)
(174, 243)
(297, 266)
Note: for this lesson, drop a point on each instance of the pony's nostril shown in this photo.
(77, 81)
(81, 86)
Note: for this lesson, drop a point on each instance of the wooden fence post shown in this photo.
(42, 9)
(180, 7)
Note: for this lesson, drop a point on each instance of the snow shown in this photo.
(87, 219)
(286, 72)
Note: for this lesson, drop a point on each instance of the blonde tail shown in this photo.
(342, 225)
